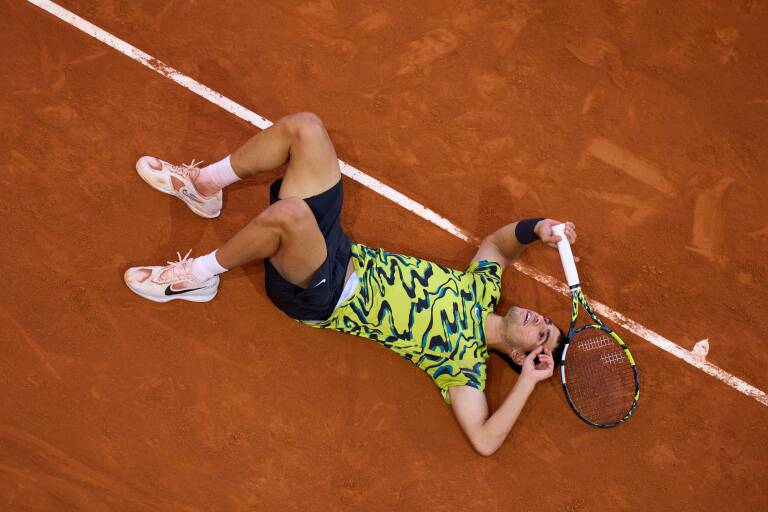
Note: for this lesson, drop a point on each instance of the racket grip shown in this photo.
(566, 256)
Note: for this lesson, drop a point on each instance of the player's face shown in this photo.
(528, 329)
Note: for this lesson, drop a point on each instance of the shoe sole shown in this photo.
(165, 298)
(190, 298)
(195, 211)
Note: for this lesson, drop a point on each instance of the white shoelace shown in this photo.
(187, 169)
(180, 270)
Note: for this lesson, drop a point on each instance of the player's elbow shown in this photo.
(485, 451)
(493, 240)
(484, 445)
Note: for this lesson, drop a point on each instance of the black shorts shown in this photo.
(318, 300)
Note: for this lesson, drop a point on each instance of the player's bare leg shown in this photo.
(287, 233)
(298, 138)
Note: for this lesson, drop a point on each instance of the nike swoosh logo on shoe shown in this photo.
(193, 197)
(169, 291)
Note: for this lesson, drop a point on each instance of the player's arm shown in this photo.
(504, 244)
(487, 433)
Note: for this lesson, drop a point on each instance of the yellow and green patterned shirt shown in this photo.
(429, 314)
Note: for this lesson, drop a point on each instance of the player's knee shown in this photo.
(304, 125)
(286, 214)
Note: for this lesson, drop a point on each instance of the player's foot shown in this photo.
(171, 282)
(177, 180)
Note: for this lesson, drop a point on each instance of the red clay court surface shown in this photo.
(645, 123)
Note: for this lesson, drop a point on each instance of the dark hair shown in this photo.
(557, 354)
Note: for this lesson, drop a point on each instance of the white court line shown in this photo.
(393, 195)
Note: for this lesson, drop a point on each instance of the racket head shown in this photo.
(599, 376)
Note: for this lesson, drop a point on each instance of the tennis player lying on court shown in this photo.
(440, 319)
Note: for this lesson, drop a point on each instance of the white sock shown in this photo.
(219, 174)
(205, 267)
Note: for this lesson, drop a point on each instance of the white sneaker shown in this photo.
(176, 180)
(171, 282)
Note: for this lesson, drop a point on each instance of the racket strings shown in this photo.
(599, 377)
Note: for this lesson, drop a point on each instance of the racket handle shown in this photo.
(566, 256)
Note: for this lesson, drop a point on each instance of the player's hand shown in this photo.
(543, 370)
(543, 230)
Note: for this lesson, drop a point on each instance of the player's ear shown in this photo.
(517, 356)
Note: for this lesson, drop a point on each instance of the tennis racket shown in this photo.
(597, 370)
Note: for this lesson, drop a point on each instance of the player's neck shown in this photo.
(494, 327)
